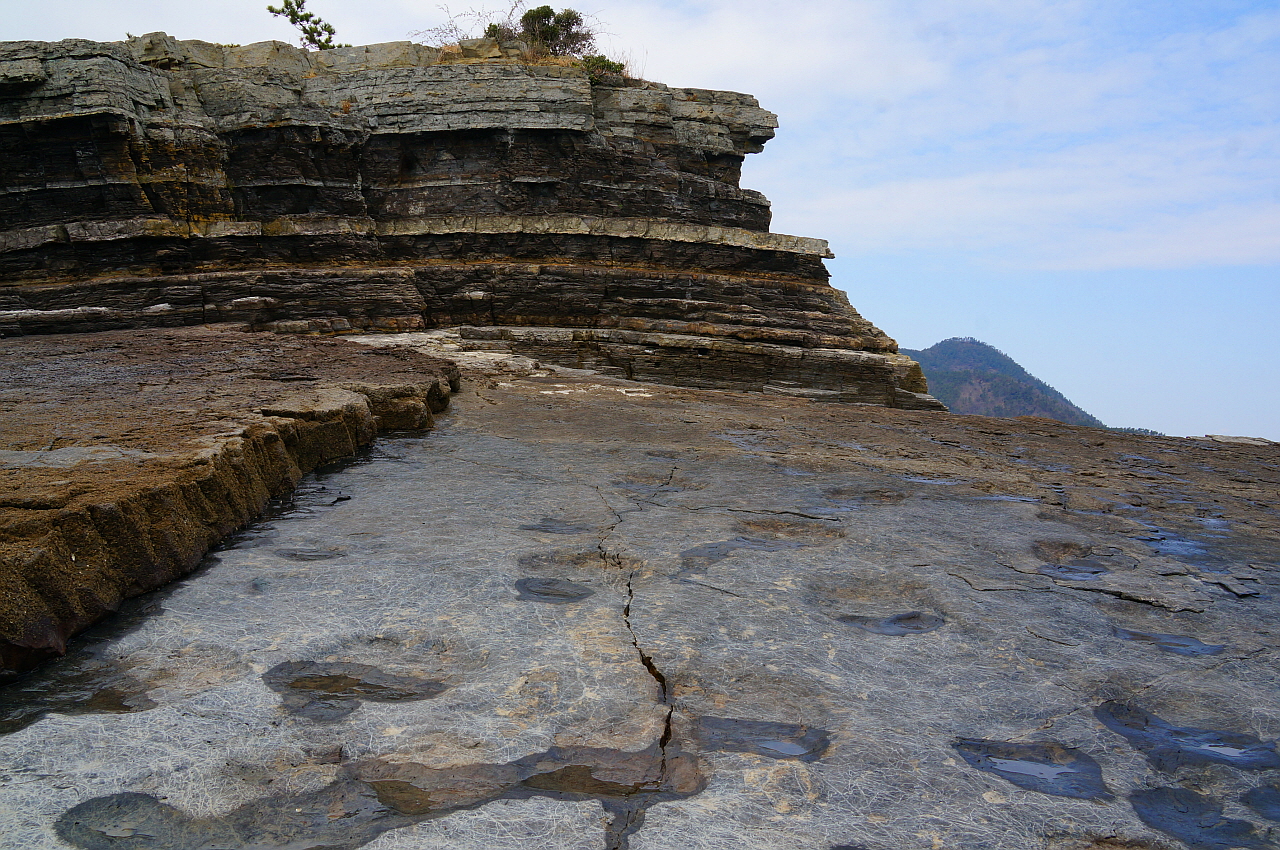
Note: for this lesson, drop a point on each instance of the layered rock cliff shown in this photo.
(158, 183)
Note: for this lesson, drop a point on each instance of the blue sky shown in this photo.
(1092, 187)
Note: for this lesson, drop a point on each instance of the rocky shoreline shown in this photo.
(587, 612)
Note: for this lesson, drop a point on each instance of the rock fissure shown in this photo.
(658, 677)
(760, 511)
(1129, 596)
(711, 587)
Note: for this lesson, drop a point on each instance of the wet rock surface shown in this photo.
(717, 687)
(1047, 768)
(331, 691)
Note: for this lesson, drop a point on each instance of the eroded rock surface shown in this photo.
(125, 456)
(718, 686)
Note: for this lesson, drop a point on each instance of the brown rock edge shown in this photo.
(125, 456)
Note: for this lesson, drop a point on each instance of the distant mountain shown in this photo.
(969, 376)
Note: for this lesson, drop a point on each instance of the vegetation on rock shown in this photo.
(547, 31)
(549, 37)
(315, 32)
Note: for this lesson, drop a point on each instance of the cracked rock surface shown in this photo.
(587, 613)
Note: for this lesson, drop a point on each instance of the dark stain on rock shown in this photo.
(1169, 747)
(308, 553)
(551, 525)
(910, 623)
(374, 796)
(712, 552)
(793, 529)
(650, 487)
(1178, 644)
(1194, 819)
(1071, 561)
(1092, 559)
(1264, 800)
(330, 691)
(775, 740)
(1046, 767)
(62, 689)
(561, 560)
(1073, 572)
(557, 591)
(1059, 550)
(342, 816)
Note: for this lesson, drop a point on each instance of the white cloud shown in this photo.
(1017, 130)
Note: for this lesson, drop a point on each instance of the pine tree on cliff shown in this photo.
(315, 32)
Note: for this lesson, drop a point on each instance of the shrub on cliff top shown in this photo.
(552, 38)
(602, 69)
(560, 33)
(315, 32)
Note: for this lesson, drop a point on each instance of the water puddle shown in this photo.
(101, 690)
(774, 740)
(88, 680)
(910, 623)
(1048, 768)
(749, 441)
(1187, 548)
(328, 691)
(1177, 547)
(1194, 819)
(1178, 644)
(374, 796)
(1169, 747)
(556, 591)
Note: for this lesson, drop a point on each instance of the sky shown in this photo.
(1091, 187)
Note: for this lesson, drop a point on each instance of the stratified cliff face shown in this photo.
(163, 183)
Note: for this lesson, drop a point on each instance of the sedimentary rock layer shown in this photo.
(158, 183)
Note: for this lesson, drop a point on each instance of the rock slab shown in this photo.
(591, 613)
